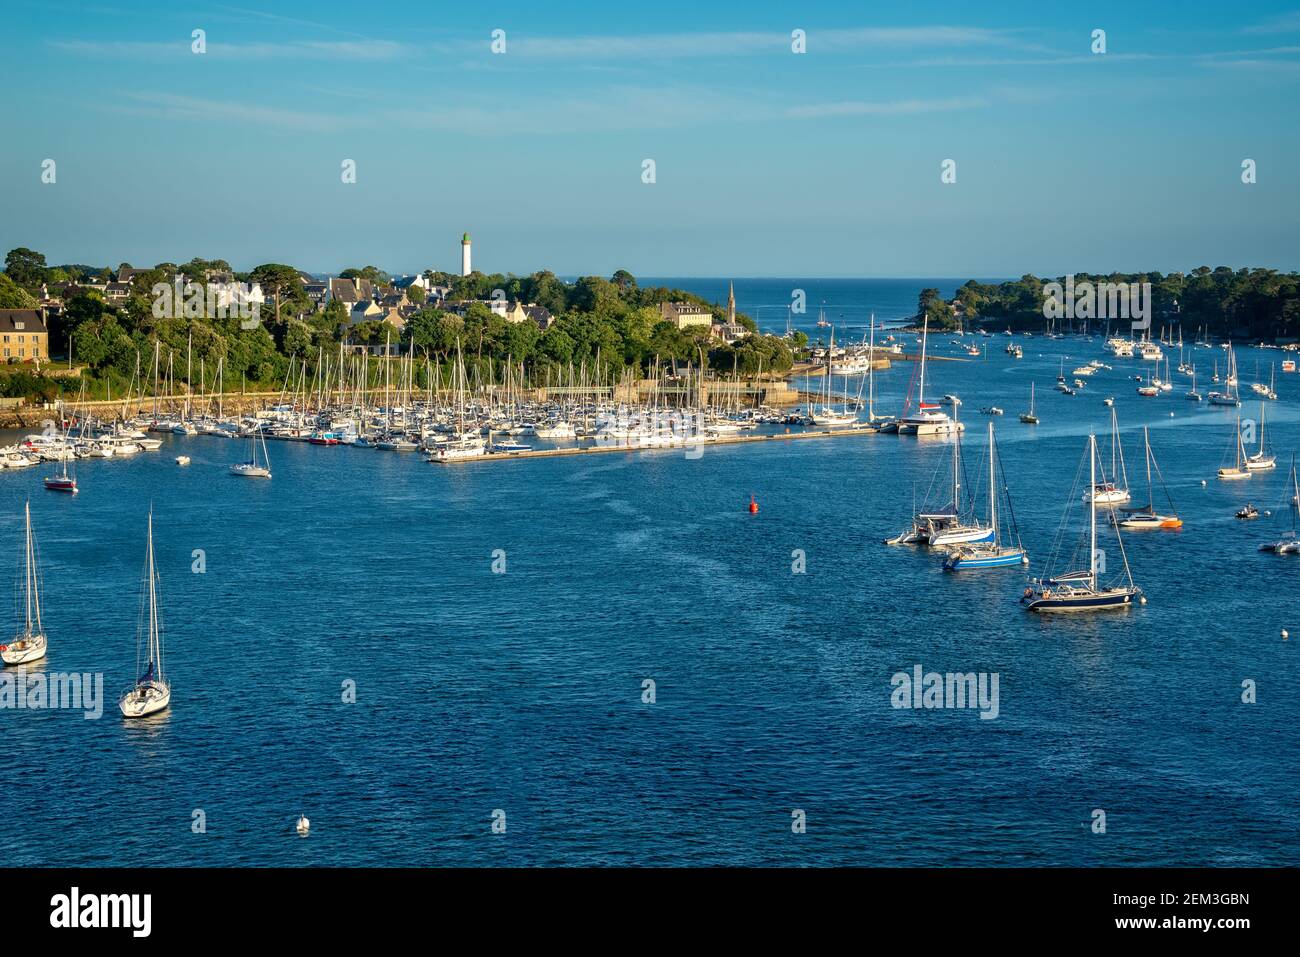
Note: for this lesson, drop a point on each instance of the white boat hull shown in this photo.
(32, 649)
(144, 700)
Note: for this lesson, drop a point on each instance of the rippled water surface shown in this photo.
(523, 691)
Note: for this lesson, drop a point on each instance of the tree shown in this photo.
(280, 282)
(13, 296)
(26, 267)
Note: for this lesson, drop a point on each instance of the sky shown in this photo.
(767, 162)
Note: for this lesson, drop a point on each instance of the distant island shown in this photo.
(1221, 303)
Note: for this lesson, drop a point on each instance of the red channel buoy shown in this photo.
(753, 506)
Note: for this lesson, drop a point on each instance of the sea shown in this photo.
(611, 660)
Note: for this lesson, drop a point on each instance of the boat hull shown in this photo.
(144, 700)
(1065, 604)
(961, 536)
(956, 563)
(33, 650)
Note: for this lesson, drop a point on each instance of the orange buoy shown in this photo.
(753, 506)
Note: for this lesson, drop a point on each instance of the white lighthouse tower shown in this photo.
(464, 255)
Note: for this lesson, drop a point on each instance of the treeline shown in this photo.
(613, 322)
(1243, 304)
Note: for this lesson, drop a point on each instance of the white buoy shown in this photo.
(182, 460)
(1202, 483)
(303, 826)
(1285, 635)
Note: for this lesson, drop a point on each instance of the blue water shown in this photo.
(522, 691)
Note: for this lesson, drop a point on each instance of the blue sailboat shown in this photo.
(992, 553)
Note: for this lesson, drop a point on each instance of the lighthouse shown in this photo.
(464, 255)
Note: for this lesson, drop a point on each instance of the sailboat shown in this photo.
(827, 415)
(1030, 418)
(929, 418)
(1193, 395)
(1082, 590)
(994, 553)
(878, 423)
(1238, 470)
(151, 693)
(1289, 543)
(1108, 492)
(28, 643)
(944, 527)
(62, 482)
(254, 468)
(1261, 460)
(1229, 394)
(1146, 515)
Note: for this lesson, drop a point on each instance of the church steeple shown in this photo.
(731, 303)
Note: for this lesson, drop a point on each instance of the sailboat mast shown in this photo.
(993, 495)
(925, 333)
(27, 509)
(1151, 495)
(1092, 499)
(871, 371)
(155, 653)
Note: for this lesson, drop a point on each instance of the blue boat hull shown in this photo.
(960, 562)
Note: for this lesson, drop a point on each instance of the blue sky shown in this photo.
(768, 163)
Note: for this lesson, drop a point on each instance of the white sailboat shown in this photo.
(1030, 417)
(1146, 516)
(151, 693)
(1261, 460)
(29, 642)
(1238, 469)
(254, 467)
(1289, 543)
(1109, 492)
(929, 418)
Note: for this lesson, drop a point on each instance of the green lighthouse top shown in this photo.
(465, 238)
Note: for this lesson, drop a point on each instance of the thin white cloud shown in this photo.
(175, 107)
(675, 45)
(216, 47)
(1285, 23)
(887, 108)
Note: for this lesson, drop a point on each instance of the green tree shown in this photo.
(26, 267)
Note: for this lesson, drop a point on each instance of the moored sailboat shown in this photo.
(995, 553)
(255, 467)
(1082, 590)
(1146, 516)
(1289, 543)
(151, 692)
(1238, 469)
(29, 642)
